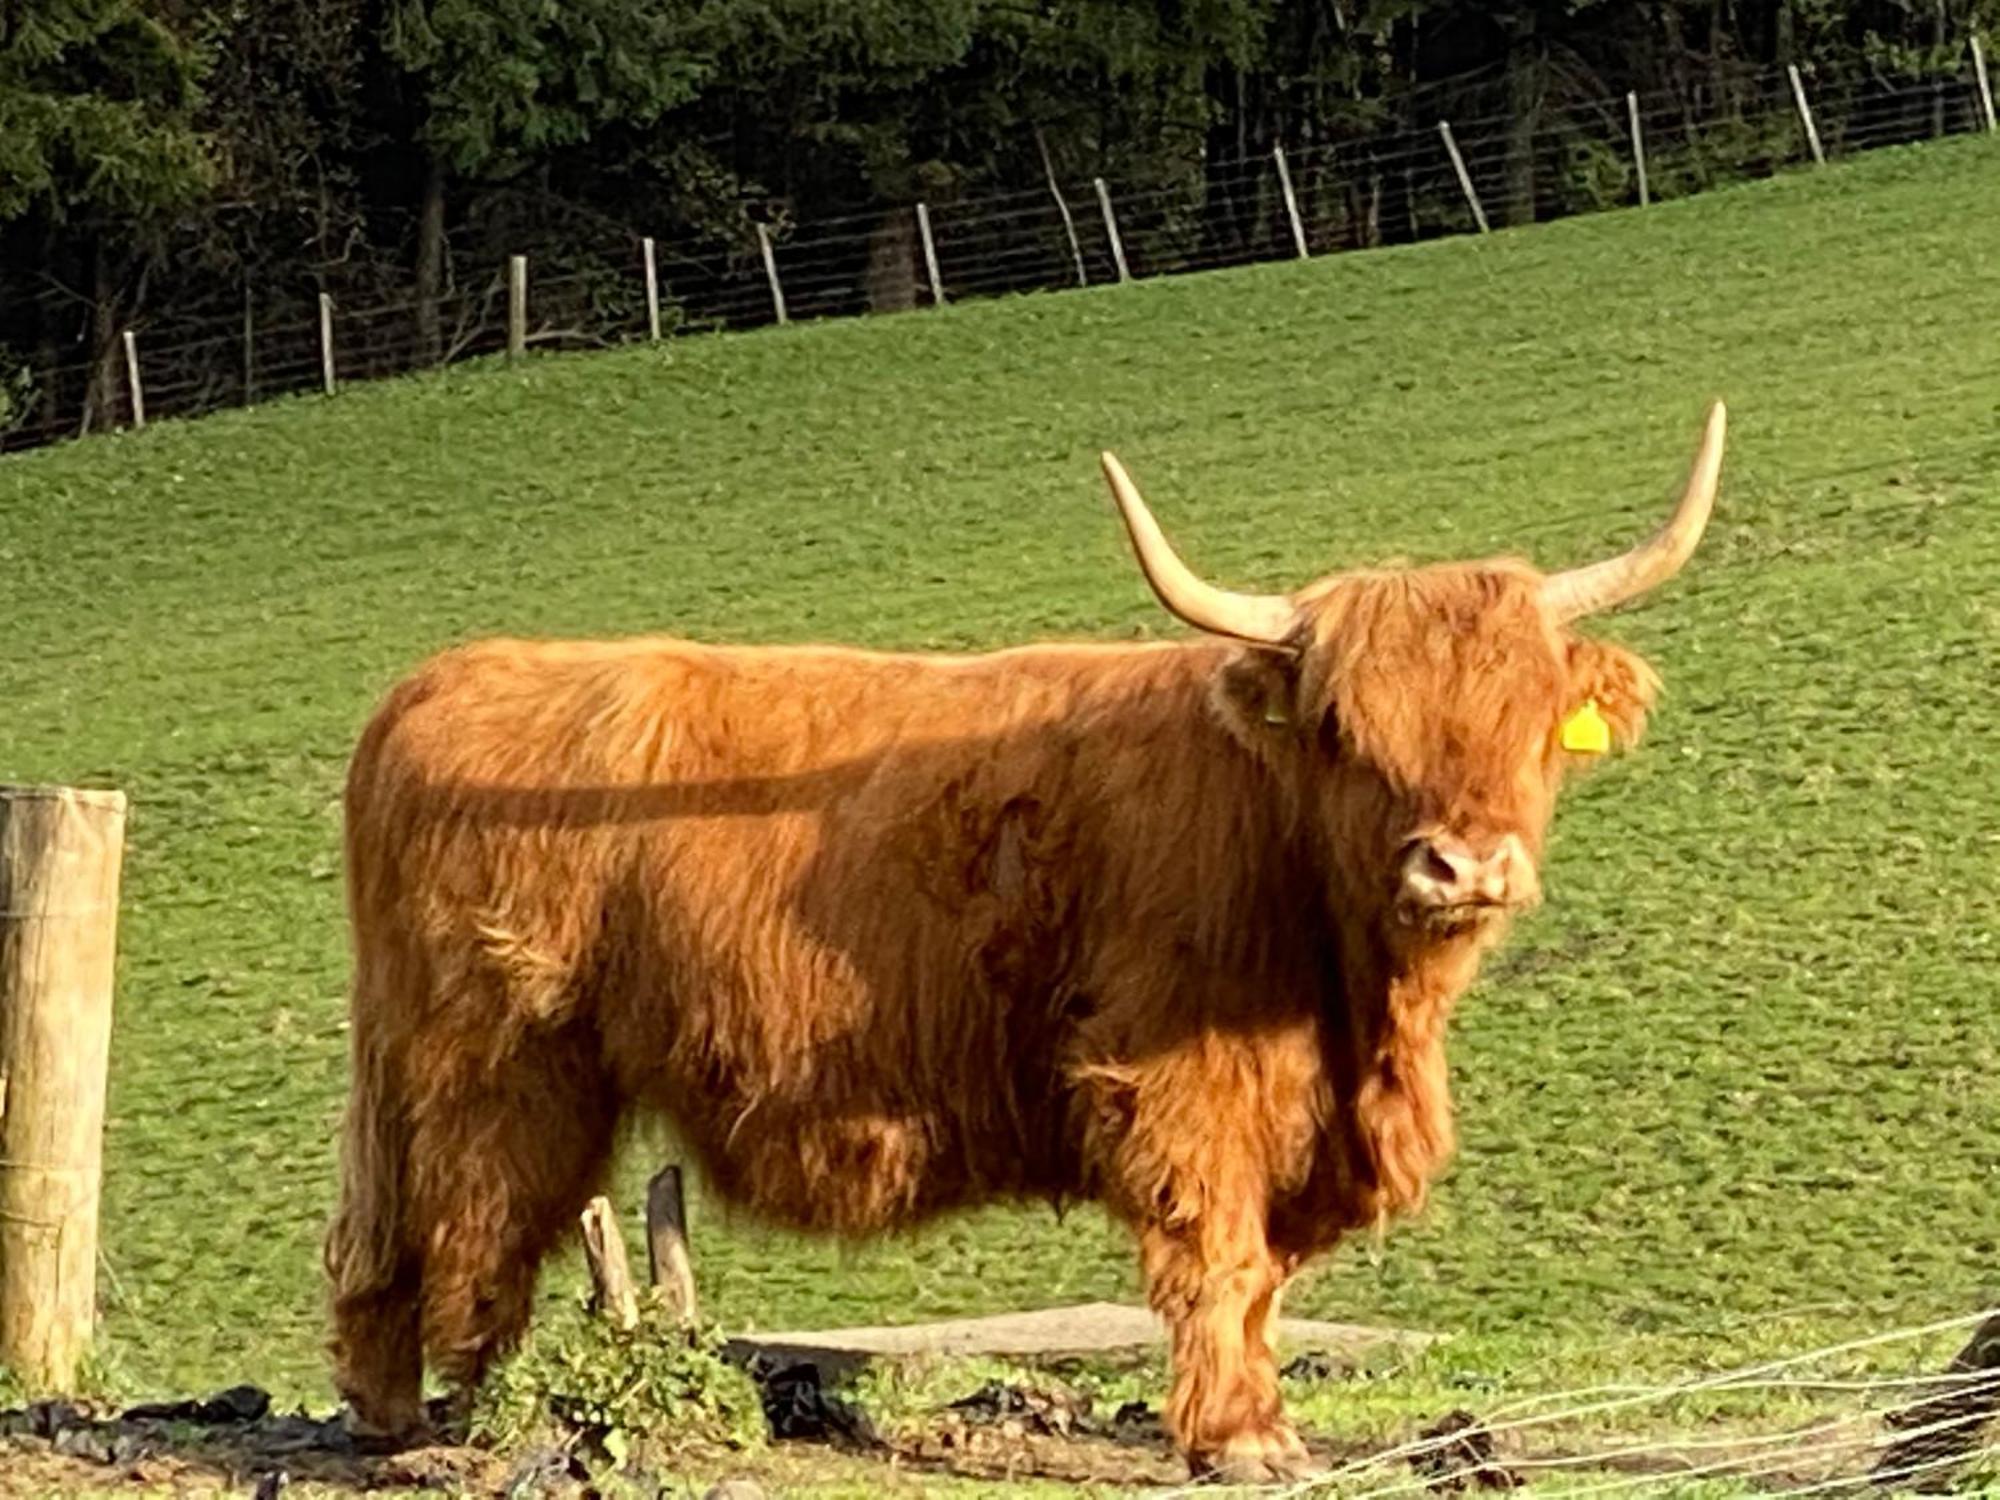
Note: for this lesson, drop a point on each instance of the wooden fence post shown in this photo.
(60, 855)
(517, 306)
(1291, 202)
(930, 254)
(1638, 145)
(771, 271)
(249, 348)
(1805, 113)
(652, 291)
(1985, 86)
(610, 1273)
(1464, 177)
(132, 384)
(669, 1266)
(326, 342)
(1062, 207)
(1111, 230)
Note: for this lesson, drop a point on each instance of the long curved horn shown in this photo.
(1265, 618)
(1600, 586)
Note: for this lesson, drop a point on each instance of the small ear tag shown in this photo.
(1275, 715)
(1585, 732)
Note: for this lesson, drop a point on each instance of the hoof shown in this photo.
(390, 1428)
(376, 1438)
(1273, 1455)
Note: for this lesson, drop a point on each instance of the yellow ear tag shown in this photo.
(1585, 731)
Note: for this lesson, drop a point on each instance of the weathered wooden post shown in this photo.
(517, 306)
(652, 291)
(61, 850)
(1638, 145)
(1291, 202)
(326, 342)
(249, 347)
(1062, 207)
(1111, 229)
(930, 254)
(1985, 85)
(138, 391)
(1805, 113)
(612, 1296)
(1464, 177)
(771, 271)
(671, 1270)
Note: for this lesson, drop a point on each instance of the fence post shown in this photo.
(671, 1270)
(612, 1296)
(517, 306)
(326, 342)
(138, 391)
(771, 271)
(1111, 230)
(930, 254)
(60, 854)
(1805, 113)
(1062, 207)
(1464, 177)
(652, 290)
(1291, 202)
(1638, 145)
(249, 348)
(1985, 86)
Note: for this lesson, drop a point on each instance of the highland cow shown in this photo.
(1175, 927)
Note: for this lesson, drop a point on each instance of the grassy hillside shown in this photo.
(1744, 1061)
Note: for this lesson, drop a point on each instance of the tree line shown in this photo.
(171, 162)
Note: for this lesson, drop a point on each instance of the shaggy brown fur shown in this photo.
(890, 935)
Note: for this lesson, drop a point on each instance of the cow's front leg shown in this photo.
(1215, 1283)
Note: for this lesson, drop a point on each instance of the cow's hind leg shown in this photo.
(506, 1154)
(370, 1262)
(1215, 1283)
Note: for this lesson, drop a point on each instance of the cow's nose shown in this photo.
(1442, 871)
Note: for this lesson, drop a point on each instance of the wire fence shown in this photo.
(1895, 1431)
(1449, 177)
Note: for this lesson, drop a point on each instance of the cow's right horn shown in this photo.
(1265, 618)
(1602, 585)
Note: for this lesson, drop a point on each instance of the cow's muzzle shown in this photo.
(1448, 879)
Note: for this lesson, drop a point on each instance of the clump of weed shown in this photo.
(588, 1386)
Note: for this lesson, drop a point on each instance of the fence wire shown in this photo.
(1394, 186)
(1937, 1431)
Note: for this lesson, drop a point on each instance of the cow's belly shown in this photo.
(846, 1065)
(854, 1165)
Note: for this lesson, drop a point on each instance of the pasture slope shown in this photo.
(1733, 1089)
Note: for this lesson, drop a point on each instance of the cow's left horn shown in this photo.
(1601, 586)
(1265, 618)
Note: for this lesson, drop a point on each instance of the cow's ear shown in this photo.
(1255, 694)
(1617, 682)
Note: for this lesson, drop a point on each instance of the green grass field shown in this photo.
(1744, 1063)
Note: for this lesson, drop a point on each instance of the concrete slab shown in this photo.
(1085, 1329)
